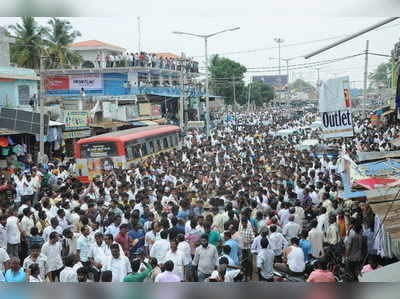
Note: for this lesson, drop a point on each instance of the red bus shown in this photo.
(121, 149)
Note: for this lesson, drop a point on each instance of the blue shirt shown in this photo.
(137, 234)
(11, 276)
(183, 214)
(306, 246)
(234, 250)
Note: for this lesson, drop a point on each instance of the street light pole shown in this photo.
(206, 37)
(207, 88)
(41, 103)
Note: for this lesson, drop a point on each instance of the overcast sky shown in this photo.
(255, 39)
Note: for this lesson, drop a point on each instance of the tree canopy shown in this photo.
(301, 85)
(261, 92)
(33, 41)
(225, 73)
(381, 75)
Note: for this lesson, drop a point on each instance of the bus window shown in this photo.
(176, 139)
(137, 151)
(151, 147)
(171, 141)
(144, 149)
(165, 142)
(129, 154)
(159, 144)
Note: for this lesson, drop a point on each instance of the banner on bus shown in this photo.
(335, 108)
(86, 81)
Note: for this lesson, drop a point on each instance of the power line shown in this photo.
(294, 44)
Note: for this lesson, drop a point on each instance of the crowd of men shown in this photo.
(144, 59)
(240, 205)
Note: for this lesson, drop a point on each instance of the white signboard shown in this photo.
(87, 81)
(335, 108)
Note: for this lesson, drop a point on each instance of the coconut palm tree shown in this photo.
(59, 34)
(29, 44)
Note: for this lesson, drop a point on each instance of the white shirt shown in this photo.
(41, 261)
(3, 236)
(13, 233)
(68, 274)
(120, 267)
(184, 247)
(97, 253)
(49, 229)
(3, 258)
(178, 260)
(26, 224)
(53, 254)
(159, 250)
(277, 243)
(291, 230)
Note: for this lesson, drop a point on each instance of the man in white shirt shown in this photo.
(277, 242)
(4, 260)
(177, 258)
(205, 258)
(26, 222)
(291, 229)
(13, 235)
(68, 274)
(36, 257)
(284, 214)
(160, 248)
(3, 231)
(52, 250)
(54, 227)
(117, 264)
(168, 276)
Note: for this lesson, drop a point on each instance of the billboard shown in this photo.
(335, 108)
(56, 83)
(86, 81)
(274, 80)
(76, 120)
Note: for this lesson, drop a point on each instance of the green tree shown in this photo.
(381, 75)
(301, 85)
(29, 43)
(59, 34)
(225, 73)
(261, 92)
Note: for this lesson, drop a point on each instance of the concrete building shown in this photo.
(17, 87)
(91, 48)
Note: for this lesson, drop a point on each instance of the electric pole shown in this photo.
(365, 79)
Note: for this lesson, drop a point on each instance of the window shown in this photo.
(23, 94)
(165, 142)
(171, 141)
(159, 145)
(144, 149)
(137, 151)
(151, 147)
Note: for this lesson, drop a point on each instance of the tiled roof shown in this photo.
(167, 55)
(93, 43)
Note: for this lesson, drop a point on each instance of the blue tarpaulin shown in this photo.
(387, 168)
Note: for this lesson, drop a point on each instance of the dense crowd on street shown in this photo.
(243, 204)
(143, 59)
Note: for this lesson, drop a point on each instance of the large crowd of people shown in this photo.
(144, 59)
(243, 204)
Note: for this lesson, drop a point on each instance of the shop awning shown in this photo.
(387, 112)
(138, 123)
(108, 125)
(372, 183)
(55, 124)
(4, 132)
(149, 122)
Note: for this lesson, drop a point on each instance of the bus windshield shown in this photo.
(98, 150)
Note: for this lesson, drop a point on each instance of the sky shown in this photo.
(254, 42)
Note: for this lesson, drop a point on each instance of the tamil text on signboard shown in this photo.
(76, 120)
